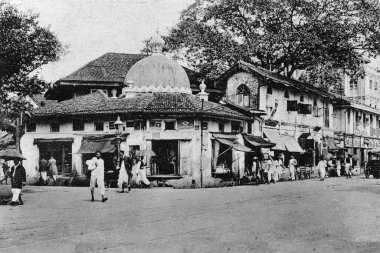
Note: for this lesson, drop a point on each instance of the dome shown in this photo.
(157, 73)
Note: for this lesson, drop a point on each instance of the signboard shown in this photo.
(185, 124)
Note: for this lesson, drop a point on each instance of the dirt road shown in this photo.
(337, 215)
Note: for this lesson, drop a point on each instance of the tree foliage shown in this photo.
(24, 47)
(281, 35)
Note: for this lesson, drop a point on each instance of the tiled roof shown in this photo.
(147, 103)
(111, 67)
(274, 77)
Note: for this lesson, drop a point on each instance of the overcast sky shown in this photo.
(91, 28)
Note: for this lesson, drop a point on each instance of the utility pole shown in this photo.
(17, 133)
(201, 167)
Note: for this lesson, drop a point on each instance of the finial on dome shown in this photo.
(203, 95)
(202, 86)
(156, 43)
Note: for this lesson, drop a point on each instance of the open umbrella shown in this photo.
(145, 152)
(11, 154)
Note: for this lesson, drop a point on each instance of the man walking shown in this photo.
(18, 179)
(96, 166)
(292, 165)
(348, 166)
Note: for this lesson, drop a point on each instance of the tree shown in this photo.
(280, 35)
(24, 47)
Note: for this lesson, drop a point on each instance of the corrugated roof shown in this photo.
(162, 103)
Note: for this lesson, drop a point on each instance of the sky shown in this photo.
(91, 28)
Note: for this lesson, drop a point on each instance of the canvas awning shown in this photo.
(275, 137)
(331, 143)
(103, 143)
(91, 146)
(258, 141)
(231, 140)
(292, 145)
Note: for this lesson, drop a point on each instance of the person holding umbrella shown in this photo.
(18, 180)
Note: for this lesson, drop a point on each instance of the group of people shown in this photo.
(336, 165)
(270, 170)
(48, 169)
(17, 176)
(129, 169)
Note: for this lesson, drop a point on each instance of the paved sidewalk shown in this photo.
(336, 215)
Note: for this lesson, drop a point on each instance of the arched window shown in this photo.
(242, 95)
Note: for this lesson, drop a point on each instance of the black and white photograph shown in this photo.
(189, 126)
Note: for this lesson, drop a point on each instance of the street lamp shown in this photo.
(118, 124)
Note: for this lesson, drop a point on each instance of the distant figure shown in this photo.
(141, 173)
(256, 170)
(96, 166)
(292, 167)
(338, 162)
(43, 168)
(5, 169)
(124, 177)
(53, 170)
(18, 180)
(322, 168)
(348, 166)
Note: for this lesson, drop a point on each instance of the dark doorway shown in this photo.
(166, 160)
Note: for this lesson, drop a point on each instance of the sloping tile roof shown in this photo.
(112, 67)
(148, 103)
(274, 77)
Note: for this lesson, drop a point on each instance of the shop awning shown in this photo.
(232, 142)
(275, 137)
(258, 141)
(331, 143)
(292, 145)
(89, 146)
(52, 140)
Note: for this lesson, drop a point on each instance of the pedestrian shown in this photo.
(292, 165)
(53, 170)
(322, 168)
(338, 166)
(280, 167)
(18, 180)
(42, 169)
(141, 173)
(256, 169)
(5, 168)
(96, 166)
(124, 177)
(272, 174)
(348, 166)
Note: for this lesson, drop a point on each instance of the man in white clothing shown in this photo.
(292, 165)
(96, 166)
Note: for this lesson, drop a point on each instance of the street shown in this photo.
(336, 215)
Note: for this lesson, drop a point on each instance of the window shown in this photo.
(242, 95)
(31, 127)
(130, 124)
(269, 90)
(99, 126)
(111, 125)
(370, 84)
(169, 125)
(54, 127)
(301, 98)
(327, 117)
(375, 85)
(155, 125)
(315, 103)
(78, 126)
(221, 127)
(235, 126)
(140, 125)
(286, 94)
(249, 130)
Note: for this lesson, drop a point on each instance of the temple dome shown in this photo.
(157, 73)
